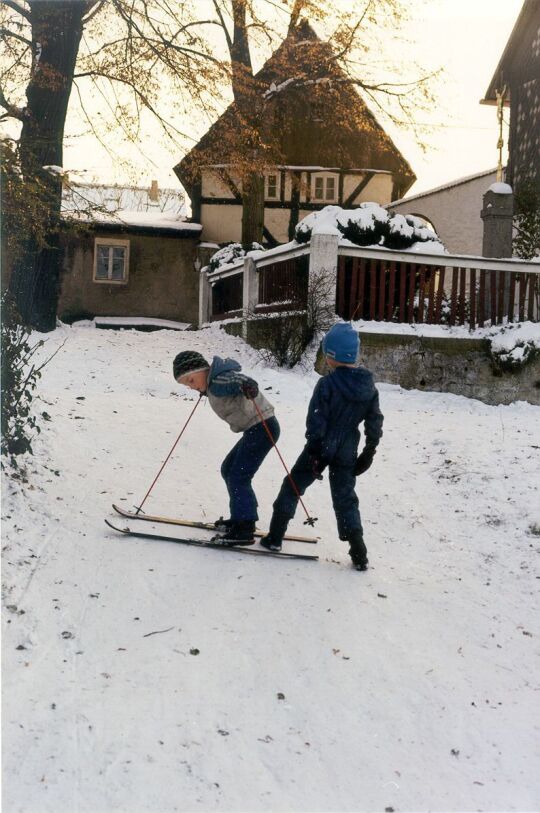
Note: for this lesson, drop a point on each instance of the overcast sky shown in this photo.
(464, 37)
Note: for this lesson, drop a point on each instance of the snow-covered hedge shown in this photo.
(515, 345)
(371, 225)
(230, 254)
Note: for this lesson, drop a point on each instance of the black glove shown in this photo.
(250, 389)
(364, 461)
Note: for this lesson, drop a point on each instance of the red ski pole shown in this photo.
(310, 520)
(168, 456)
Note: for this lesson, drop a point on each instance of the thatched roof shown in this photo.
(322, 123)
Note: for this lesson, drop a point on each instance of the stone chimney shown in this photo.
(153, 193)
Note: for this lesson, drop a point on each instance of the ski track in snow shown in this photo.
(156, 677)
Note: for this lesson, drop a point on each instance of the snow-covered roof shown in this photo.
(138, 207)
(78, 196)
(308, 168)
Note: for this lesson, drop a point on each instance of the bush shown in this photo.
(284, 336)
(230, 253)
(370, 225)
(20, 376)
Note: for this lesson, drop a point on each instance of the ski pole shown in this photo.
(310, 520)
(168, 456)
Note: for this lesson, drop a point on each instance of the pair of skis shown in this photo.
(201, 543)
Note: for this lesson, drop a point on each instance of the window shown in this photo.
(324, 188)
(318, 193)
(272, 187)
(111, 261)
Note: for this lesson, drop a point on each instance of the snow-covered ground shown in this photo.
(145, 676)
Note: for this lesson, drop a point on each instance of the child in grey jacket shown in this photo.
(236, 399)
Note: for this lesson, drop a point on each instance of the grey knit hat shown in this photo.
(188, 361)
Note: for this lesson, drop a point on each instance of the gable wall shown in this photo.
(222, 219)
(454, 213)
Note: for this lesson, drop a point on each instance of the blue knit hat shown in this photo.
(342, 343)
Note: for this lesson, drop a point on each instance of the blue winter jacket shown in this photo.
(340, 402)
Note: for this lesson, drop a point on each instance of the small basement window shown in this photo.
(111, 261)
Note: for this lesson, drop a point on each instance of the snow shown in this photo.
(146, 677)
(501, 188)
(514, 340)
(156, 220)
(131, 321)
(53, 169)
(370, 219)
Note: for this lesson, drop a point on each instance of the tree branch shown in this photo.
(5, 32)
(18, 8)
(98, 5)
(224, 27)
(11, 109)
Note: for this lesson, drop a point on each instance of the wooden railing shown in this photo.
(227, 296)
(283, 285)
(392, 286)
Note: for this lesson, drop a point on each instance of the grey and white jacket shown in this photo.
(226, 398)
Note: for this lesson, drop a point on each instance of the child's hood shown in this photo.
(353, 383)
(220, 365)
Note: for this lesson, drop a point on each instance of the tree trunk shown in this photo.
(56, 33)
(250, 106)
(252, 209)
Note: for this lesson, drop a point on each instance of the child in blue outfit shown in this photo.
(236, 399)
(340, 402)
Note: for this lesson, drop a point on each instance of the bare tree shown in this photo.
(49, 46)
(284, 335)
(136, 48)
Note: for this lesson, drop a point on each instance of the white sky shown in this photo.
(464, 37)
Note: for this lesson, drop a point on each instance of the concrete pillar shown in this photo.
(497, 214)
(323, 260)
(205, 299)
(250, 293)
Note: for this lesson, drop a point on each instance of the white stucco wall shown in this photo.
(221, 223)
(454, 211)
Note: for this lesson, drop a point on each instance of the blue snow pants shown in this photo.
(241, 465)
(342, 487)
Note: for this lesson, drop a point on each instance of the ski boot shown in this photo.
(222, 524)
(239, 532)
(273, 539)
(357, 549)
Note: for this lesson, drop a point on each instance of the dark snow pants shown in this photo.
(241, 465)
(342, 488)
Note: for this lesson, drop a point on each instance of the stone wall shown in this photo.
(460, 366)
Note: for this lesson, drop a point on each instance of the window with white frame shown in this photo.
(272, 186)
(324, 189)
(111, 261)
